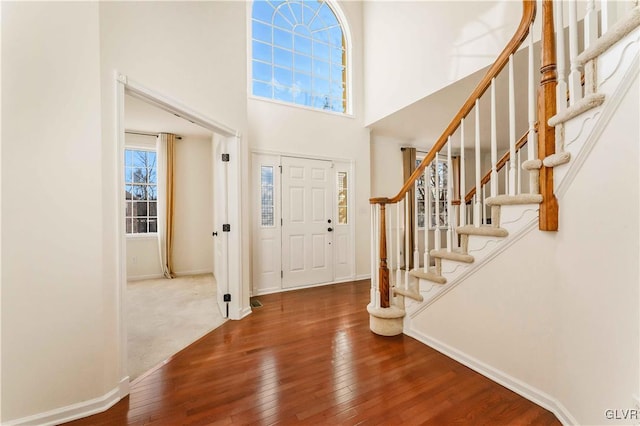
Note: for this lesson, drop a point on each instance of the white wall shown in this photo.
(415, 48)
(193, 245)
(597, 283)
(288, 129)
(53, 316)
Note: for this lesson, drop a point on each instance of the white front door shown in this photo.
(307, 222)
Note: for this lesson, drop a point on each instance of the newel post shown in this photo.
(548, 218)
(383, 271)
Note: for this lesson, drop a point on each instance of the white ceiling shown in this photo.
(143, 117)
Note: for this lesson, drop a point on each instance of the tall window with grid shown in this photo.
(299, 54)
(434, 196)
(141, 191)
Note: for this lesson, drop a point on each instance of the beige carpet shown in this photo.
(164, 316)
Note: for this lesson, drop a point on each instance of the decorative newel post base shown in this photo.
(386, 321)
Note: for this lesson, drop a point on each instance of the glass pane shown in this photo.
(139, 175)
(303, 63)
(140, 209)
(139, 158)
(303, 98)
(336, 55)
(280, 21)
(283, 77)
(262, 89)
(335, 36)
(342, 189)
(282, 58)
(152, 192)
(261, 31)
(128, 174)
(320, 86)
(261, 51)
(153, 178)
(128, 192)
(153, 208)
(128, 209)
(321, 50)
(140, 226)
(337, 90)
(267, 201)
(285, 12)
(261, 71)
(321, 69)
(303, 82)
(283, 38)
(283, 93)
(336, 72)
(128, 157)
(128, 226)
(153, 224)
(342, 215)
(337, 105)
(262, 10)
(296, 8)
(302, 44)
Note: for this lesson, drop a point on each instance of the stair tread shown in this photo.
(509, 200)
(455, 255)
(585, 104)
(484, 230)
(429, 276)
(408, 293)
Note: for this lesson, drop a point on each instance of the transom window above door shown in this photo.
(299, 54)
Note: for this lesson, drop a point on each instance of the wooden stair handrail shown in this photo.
(499, 165)
(528, 16)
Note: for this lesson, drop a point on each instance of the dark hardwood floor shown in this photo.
(308, 357)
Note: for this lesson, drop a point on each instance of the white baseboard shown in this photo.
(78, 410)
(272, 290)
(521, 388)
(145, 277)
(362, 277)
(194, 272)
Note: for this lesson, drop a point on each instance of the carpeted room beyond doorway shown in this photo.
(164, 316)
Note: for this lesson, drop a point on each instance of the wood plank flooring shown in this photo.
(308, 357)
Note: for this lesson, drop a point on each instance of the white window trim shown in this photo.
(346, 31)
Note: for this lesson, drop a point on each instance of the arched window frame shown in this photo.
(346, 31)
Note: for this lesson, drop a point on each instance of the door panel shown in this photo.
(307, 206)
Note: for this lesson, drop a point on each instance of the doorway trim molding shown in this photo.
(239, 307)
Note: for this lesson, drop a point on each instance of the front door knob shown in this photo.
(330, 229)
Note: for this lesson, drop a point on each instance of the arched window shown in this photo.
(299, 54)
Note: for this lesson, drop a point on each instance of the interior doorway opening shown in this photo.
(223, 182)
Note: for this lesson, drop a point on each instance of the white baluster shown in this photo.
(590, 24)
(436, 233)
(532, 136)
(477, 208)
(484, 204)
(416, 246)
(507, 189)
(512, 126)
(449, 195)
(427, 218)
(494, 141)
(398, 242)
(607, 15)
(375, 251)
(561, 88)
(407, 235)
(575, 87)
(463, 208)
(519, 169)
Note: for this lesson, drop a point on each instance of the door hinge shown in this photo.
(281, 274)
(280, 169)
(226, 297)
(226, 227)
(225, 158)
(281, 222)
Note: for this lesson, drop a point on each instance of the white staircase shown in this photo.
(492, 223)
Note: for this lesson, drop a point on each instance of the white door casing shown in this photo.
(307, 222)
(220, 217)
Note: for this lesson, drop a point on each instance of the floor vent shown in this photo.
(255, 303)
